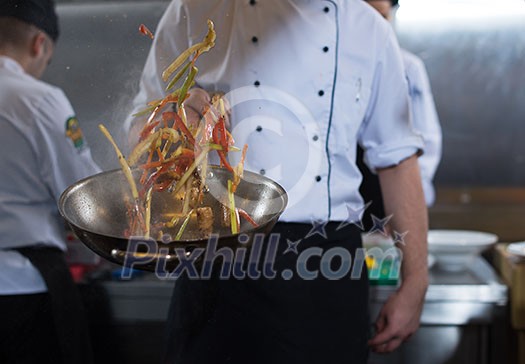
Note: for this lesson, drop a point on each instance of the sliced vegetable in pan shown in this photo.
(172, 154)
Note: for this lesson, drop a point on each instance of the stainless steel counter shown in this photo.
(147, 297)
(456, 298)
(143, 299)
(463, 321)
(463, 318)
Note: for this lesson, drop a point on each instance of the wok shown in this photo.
(95, 208)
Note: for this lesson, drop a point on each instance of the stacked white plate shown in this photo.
(517, 249)
(454, 249)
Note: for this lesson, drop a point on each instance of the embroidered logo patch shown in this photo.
(74, 132)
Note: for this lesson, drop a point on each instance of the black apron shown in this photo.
(274, 320)
(66, 305)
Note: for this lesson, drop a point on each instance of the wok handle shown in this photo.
(122, 255)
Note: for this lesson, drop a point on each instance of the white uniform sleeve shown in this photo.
(170, 39)
(386, 134)
(61, 162)
(426, 122)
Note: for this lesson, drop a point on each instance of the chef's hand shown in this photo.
(200, 101)
(399, 316)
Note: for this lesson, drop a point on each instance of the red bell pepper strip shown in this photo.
(144, 30)
(161, 186)
(222, 132)
(179, 124)
(220, 139)
(155, 175)
(145, 173)
(207, 132)
(247, 217)
(147, 130)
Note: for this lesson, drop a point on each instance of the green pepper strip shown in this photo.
(183, 226)
(190, 81)
(178, 76)
(145, 111)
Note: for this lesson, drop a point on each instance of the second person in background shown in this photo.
(424, 118)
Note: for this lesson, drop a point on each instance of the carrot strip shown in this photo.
(144, 30)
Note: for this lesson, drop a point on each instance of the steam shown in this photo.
(119, 109)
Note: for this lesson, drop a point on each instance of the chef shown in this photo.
(42, 151)
(306, 82)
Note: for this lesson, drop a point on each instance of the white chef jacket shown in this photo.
(307, 80)
(426, 121)
(41, 153)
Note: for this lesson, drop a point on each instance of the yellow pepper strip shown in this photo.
(187, 197)
(123, 164)
(239, 169)
(233, 215)
(190, 170)
(142, 148)
(146, 144)
(222, 108)
(204, 46)
(148, 213)
(231, 148)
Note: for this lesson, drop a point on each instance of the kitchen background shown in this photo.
(474, 51)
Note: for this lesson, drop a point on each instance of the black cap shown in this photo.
(40, 13)
(394, 2)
